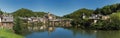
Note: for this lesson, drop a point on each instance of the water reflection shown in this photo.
(36, 28)
(108, 34)
(58, 32)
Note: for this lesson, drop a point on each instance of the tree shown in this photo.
(40, 14)
(77, 17)
(1, 12)
(112, 24)
(78, 13)
(17, 26)
(97, 11)
(115, 19)
(23, 12)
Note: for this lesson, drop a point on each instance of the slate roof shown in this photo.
(7, 19)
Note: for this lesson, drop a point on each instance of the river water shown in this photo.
(58, 32)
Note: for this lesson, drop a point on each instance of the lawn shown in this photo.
(4, 33)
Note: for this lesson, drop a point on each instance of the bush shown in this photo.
(112, 24)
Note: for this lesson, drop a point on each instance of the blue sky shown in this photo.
(57, 7)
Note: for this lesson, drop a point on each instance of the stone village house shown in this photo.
(96, 17)
(6, 21)
(48, 19)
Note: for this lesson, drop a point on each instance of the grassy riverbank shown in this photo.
(4, 33)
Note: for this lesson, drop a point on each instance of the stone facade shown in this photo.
(51, 20)
(6, 21)
(48, 20)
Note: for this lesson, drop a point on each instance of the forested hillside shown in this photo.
(27, 13)
(113, 11)
(106, 10)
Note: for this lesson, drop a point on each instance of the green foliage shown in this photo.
(106, 10)
(97, 11)
(78, 13)
(27, 13)
(39, 14)
(1, 12)
(17, 27)
(23, 12)
(109, 9)
(5, 33)
(115, 19)
(77, 17)
(111, 24)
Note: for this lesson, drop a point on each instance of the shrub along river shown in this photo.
(59, 32)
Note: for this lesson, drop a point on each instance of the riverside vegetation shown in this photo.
(5, 33)
(112, 24)
(111, 10)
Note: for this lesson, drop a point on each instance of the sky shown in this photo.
(57, 7)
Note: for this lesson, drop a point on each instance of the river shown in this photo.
(58, 32)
